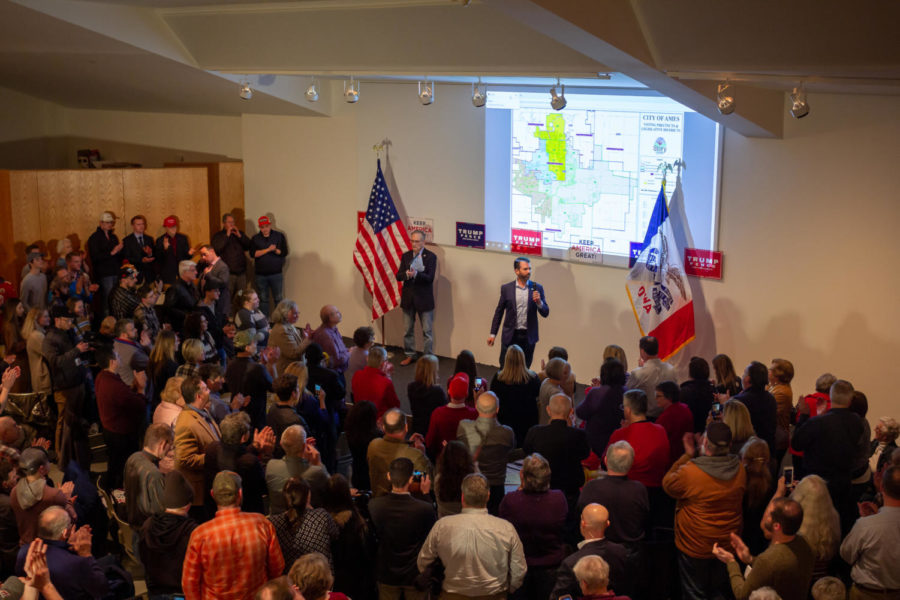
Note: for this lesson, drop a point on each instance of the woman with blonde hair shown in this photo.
(171, 402)
(162, 364)
(192, 352)
(36, 323)
(821, 526)
(517, 388)
(736, 415)
(424, 393)
(616, 352)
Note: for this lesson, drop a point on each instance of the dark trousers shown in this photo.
(703, 578)
(119, 446)
(538, 584)
(497, 493)
(520, 339)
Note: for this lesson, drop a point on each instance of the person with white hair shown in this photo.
(821, 526)
(625, 498)
(592, 573)
(73, 571)
(885, 442)
(764, 593)
(829, 588)
(183, 295)
(489, 442)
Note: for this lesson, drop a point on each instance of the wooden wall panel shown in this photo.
(158, 193)
(231, 191)
(72, 201)
(7, 238)
(26, 212)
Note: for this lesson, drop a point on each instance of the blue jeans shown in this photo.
(426, 319)
(266, 284)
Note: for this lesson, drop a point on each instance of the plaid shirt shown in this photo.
(230, 557)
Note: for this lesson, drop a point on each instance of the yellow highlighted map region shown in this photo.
(555, 143)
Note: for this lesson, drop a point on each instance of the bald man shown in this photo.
(491, 442)
(594, 521)
(330, 339)
(382, 451)
(562, 445)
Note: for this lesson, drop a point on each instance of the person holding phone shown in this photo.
(521, 301)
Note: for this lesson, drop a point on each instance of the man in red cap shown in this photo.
(445, 419)
(171, 249)
(269, 249)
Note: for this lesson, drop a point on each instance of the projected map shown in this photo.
(588, 178)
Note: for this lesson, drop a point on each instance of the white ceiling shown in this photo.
(185, 55)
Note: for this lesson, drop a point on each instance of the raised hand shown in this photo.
(264, 440)
(722, 554)
(740, 548)
(80, 540)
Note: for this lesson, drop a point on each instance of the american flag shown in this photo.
(380, 242)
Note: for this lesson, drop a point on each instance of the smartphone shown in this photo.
(788, 476)
(417, 476)
(716, 409)
(318, 389)
(478, 382)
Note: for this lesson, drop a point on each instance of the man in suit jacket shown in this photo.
(521, 301)
(213, 268)
(195, 429)
(417, 267)
(138, 249)
(594, 521)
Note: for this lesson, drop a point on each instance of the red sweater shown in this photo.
(370, 384)
(443, 425)
(651, 451)
(121, 409)
(676, 420)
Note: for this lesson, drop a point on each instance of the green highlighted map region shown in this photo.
(555, 144)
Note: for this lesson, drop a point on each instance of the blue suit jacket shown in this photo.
(507, 305)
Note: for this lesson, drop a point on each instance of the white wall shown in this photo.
(807, 225)
(806, 229)
(36, 133)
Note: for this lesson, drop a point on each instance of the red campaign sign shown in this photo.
(526, 241)
(703, 263)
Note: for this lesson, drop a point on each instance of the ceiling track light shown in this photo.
(312, 92)
(558, 102)
(246, 93)
(426, 92)
(479, 94)
(351, 90)
(799, 105)
(724, 101)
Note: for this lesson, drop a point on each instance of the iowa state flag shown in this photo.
(657, 285)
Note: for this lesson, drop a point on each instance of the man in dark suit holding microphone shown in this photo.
(521, 300)
(416, 272)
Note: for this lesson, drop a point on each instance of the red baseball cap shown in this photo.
(170, 221)
(264, 220)
(458, 387)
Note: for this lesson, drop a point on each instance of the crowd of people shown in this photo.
(247, 456)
